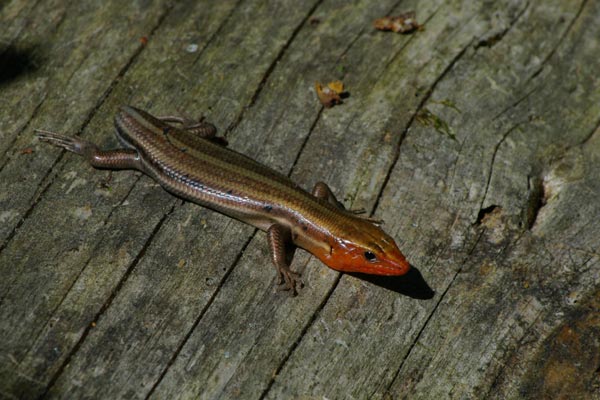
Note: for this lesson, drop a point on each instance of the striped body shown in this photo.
(226, 181)
(191, 164)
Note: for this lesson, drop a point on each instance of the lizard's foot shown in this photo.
(289, 280)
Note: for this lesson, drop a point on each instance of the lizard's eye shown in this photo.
(370, 256)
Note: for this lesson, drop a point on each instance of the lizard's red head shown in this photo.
(365, 248)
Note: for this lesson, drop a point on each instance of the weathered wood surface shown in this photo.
(476, 139)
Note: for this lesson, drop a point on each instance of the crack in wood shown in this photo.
(492, 40)
(201, 315)
(492, 162)
(412, 119)
(538, 197)
(485, 212)
(536, 201)
(271, 68)
(36, 199)
(108, 302)
(89, 117)
(85, 123)
(516, 103)
(433, 311)
(408, 41)
(560, 40)
(85, 265)
(305, 141)
(589, 136)
(298, 340)
(20, 132)
(217, 32)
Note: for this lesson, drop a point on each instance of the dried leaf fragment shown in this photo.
(403, 23)
(331, 94)
(336, 86)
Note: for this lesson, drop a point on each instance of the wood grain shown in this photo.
(476, 139)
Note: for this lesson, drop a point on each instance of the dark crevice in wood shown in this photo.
(305, 141)
(201, 315)
(11, 145)
(537, 199)
(589, 136)
(85, 264)
(426, 97)
(137, 179)
(516, 103)
(298, 340)
(271, 68)
(91, 114)
(362, 31)
(537, 191)
(86, 122)
(433, 311)
(347, 49)
(492, 40)
(497, 380)
(396, 55)
(36, 199)
(217, 32)
(485, 212)
(560, 40)
(493, 160)
(108, 302)
(411, 37)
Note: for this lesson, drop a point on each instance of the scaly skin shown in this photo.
(194, 164)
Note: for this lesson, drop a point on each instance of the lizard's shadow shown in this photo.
(411, 284)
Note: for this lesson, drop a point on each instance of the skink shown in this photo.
(190, 161)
